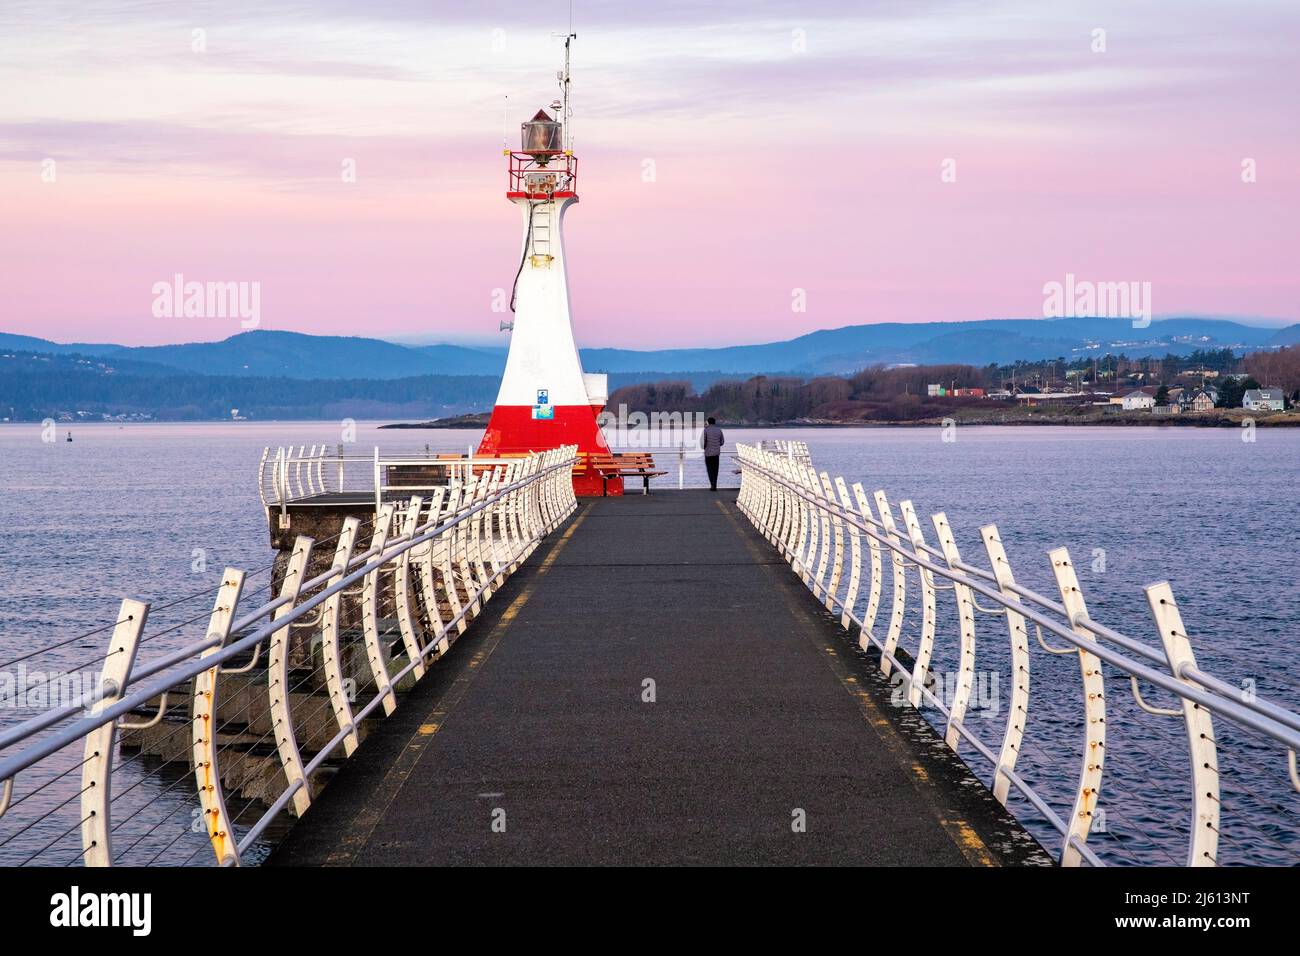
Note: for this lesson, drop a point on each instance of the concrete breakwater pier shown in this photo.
(463, 662)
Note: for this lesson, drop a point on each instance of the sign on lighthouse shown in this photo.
(545, 399)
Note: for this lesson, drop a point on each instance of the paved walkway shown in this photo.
(763, 714)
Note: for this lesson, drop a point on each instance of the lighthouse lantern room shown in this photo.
(545, 399)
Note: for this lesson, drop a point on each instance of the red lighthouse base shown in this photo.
(515, 430)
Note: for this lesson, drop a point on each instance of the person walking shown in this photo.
(712, 441)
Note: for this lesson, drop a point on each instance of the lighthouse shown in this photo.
(546, 400)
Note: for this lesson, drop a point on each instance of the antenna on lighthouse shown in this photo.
(505, 125)
(566, 114)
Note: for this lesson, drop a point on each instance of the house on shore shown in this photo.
(1263, 400)
(1200, 400)
(1137, 400)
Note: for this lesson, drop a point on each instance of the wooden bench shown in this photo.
(636, 464)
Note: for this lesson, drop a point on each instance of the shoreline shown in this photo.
(1232, 419)
(1225, 418)
(1289, 421)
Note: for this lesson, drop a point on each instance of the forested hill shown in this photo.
(34, 387)
(69, 386)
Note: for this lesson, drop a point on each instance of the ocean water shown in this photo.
(155, 511)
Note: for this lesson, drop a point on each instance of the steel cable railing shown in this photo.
(827, 534)
(459, 545)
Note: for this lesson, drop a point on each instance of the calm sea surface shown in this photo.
(156, 511)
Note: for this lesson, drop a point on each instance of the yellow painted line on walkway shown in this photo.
(368, 818)
(972, 847)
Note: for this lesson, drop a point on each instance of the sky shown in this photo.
(750, 171)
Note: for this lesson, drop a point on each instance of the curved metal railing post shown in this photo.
(1203, 845)
(1018, 711)
(966, 626)
(425, 562)
(837, 547)
(821, 589)
(785, 520)
(925, 644)
(807, 542)
(282, 486)
(500, 522)
(97, 765)
(769, 505)
(464, 546)
(519, 508)
(1088, 792)
(510, 518)
(331, 647)
(796, 530)
(570, 494)
(545, 498)
(818, 546)
(855, 556)
(402, 588)
(445, 551)
(261, 475)
(311, 471)
(794, 526)
(774, 516)
(480, 528)
(528, 505)
(561, 493)
(277, 677)
(900, 583)
(536, 513)
(370, 614)
(745, 499)
(876, 582)
(204, 716)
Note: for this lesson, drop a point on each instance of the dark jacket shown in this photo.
(712, 441)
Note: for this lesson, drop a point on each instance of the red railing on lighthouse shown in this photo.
(542, 174)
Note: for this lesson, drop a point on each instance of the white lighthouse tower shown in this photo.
(545, 399)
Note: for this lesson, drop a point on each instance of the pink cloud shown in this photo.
(772, 175)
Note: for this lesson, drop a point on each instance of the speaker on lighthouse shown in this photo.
(545, 399)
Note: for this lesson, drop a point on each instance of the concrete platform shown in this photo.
(764, 712)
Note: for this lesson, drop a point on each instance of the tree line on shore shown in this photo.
(901, 393)
(878, 393)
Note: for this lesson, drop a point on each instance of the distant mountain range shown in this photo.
(73, 387)
(827, 352)
(838, 351)
(283, 355)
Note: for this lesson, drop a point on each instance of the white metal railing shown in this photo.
(789, 448)
(433, 561)
(290, 474)
(825, 530)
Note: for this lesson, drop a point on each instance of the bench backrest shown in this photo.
(606, 461)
